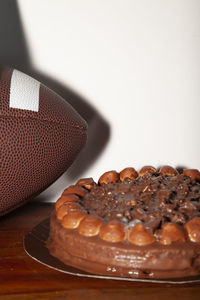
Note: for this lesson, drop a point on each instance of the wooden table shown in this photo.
(23, 278)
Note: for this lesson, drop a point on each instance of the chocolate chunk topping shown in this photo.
(153, 198)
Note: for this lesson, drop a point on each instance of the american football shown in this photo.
(40, 136)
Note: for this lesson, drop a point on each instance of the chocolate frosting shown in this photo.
(122, 259)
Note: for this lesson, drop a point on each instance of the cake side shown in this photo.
(121, 259)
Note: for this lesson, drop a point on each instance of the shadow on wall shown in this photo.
(14, 53)
(13, 49)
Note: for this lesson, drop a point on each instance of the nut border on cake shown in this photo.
(73, 216)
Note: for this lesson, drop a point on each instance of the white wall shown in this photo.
(137, 62)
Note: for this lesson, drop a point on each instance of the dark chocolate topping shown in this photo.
(153, 199)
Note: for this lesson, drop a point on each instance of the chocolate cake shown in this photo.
(130, 224)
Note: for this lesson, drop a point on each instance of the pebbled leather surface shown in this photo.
(36, 147)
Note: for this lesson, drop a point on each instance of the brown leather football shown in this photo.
(40, 136)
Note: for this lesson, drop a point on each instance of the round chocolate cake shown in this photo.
(130, 224)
